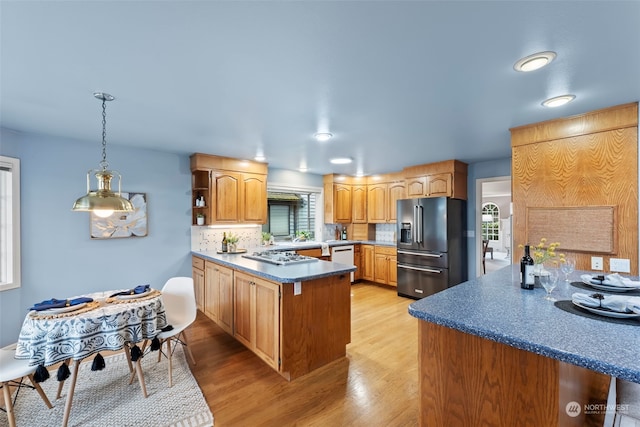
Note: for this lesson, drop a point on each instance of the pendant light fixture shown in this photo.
(103, 202)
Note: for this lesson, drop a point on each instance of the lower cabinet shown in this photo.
(218, 295)
(197, 272)
(386, 262)
(367, 259)
(357, 261)
(256, 316)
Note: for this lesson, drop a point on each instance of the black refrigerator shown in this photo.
(432, 248)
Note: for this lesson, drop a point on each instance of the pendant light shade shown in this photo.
(103, 201)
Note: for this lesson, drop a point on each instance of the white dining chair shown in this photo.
(179, 300)
(12, 373)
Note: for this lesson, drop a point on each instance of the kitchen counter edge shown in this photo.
(277, 273)
(505, 313)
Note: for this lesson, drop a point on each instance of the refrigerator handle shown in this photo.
(420, 221)
(415, 224)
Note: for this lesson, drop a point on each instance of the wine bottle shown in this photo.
(344, 233)
(225, 247)
(526, 270)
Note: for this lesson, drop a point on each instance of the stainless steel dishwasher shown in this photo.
(343, 255)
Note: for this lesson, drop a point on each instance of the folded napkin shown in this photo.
(140, 289)
(59, 303)
(588, 278)
(617, 303)
(617, 280)
(325, 249)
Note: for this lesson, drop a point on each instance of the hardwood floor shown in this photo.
(375, 385)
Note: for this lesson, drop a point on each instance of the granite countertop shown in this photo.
(494, 307)
(278, 273)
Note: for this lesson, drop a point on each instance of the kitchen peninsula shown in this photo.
(295, 317)
(491, 353)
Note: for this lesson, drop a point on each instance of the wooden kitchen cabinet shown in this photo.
(359, 204)
(381, 201)
(386, 262)
(441, 179)
(218, 295)
(337, 200)
(357, 261)
(256, 316)
(235, 191)
(197, 272)
(368, 262)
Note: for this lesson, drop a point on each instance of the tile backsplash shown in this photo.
(205, 238)
(208, 238)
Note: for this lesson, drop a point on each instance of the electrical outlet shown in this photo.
(620, 265)
(596, 263)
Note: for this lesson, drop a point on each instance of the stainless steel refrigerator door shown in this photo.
(419, 281)
(432, 214)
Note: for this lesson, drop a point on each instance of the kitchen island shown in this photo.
(491, 353)
(296, 317)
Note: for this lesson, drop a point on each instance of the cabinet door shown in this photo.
(393, 270)
(397, 191)
(377, 203)
(439, 185)
(266, 321)
(227, 196)
(225, 299)
(357, 261)
(416, 187)
(359, 204)
(367, 262)
(198, 284)
(381, 269)
(242, 302)
(342, 203)
(254, 198)
(211, 291)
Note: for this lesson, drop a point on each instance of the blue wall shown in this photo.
(480, 170)
(58, 257)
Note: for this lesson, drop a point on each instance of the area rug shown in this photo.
(105, 398)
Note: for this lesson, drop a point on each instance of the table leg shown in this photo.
(141, 377)
(61, 383)
(67, 405)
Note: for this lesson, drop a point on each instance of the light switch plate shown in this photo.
(621, 265)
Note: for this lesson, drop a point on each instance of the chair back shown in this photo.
(179, 300)
(485, 246)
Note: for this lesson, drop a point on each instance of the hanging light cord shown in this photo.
(104, 164)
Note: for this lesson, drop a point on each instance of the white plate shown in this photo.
(134, 296)
(62, 309)
(610, 288)
(607, 313)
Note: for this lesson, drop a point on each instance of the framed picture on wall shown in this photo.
(118, 225)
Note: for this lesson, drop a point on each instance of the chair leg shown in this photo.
(9, 404)
(170, 362)
(186, 346)
(40, 391)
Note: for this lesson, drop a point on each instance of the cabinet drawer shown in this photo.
(197, 262)
(385, 250)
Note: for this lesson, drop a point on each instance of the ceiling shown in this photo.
(398, 83)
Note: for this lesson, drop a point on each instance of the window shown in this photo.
(490, 221)
(9, 223)
(291, 214)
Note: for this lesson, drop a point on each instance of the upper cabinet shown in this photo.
(233, 190)
(382, 198)
(447, 178)
(359, 203)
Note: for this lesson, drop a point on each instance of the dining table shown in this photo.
(105, 322)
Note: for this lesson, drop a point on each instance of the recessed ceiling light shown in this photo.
(341, 160)
(558, 101)
(535, 61)
(303, 169)
(323, 136)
